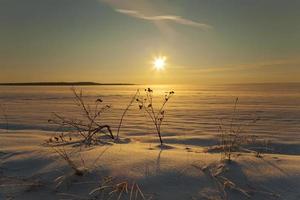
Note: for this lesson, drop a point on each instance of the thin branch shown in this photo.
(125, 111)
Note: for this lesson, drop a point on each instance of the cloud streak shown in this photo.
(172, 18)
(284, 63)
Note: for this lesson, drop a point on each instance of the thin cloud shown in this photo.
(295, 62)
(173, 18)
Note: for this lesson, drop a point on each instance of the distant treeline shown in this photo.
(61, 84)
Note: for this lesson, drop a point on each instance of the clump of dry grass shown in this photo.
(233, 140)
(145, 103)
(216, 173)
(79, 170)
(80, 167)
(233, 137)
(219, 172)
(86, 128)
(111, 189)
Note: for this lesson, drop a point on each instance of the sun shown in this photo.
(159, 63)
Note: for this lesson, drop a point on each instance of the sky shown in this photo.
(204, 41)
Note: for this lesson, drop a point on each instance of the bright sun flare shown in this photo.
(159, 63)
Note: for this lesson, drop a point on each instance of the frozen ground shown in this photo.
(29, 169)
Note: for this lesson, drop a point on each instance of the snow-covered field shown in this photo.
(28, 168)
(193, 110)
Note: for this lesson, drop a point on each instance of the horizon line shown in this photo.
(60, 83)
(91, 83)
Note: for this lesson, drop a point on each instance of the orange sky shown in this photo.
(115, 41)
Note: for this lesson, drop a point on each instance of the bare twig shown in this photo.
(90, 126)
(66, 156)
(157, 117)
(231, 137)
(125, 111)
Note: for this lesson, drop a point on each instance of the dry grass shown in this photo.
(111, 189)
(219, 172)
(157, 116)
(80, 167)
(86, 128)
(234, 139)
(125, 111)
(216, 173)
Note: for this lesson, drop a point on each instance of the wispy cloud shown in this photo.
(172, 18)
(269, 64)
